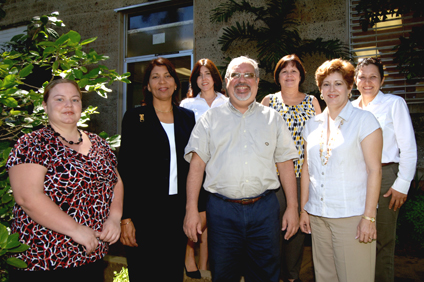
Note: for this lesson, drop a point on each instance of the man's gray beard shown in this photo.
(244, 98)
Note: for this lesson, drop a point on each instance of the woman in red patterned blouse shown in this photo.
(68, 194)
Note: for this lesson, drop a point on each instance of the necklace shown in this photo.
(324, 159)
(163, 111)
(57, 134)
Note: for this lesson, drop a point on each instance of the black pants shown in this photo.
(92, 272)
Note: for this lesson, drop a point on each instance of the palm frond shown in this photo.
(329, 48)
(227, 9)
(238, 32)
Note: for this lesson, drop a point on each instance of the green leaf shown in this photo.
(9, 102)
(26, 70)
(13, 241)
(77, 73)
(48, 51)
(74, 36)
(44, 19)
(62, 40)
(9, 81)
(4, 234)
(16, 262)
(89, 40)
(21, 248)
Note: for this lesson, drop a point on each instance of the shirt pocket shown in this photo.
(381, 119)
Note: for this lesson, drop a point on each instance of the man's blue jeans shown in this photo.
(244, 239)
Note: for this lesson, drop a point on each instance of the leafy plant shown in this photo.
(273, 29)
(375, 11)
(410, 225)
(10, 244)
(409, 54)
(28, 62)
(121, 276)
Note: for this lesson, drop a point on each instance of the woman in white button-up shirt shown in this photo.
(341, 179)
(206, 84)
(399, 157)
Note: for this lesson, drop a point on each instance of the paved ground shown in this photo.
(407, 269)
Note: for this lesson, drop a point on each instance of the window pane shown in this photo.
(159, 18)
(162, 32)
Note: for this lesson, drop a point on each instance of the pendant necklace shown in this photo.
(324, 159)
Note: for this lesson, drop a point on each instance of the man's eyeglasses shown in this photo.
(246, 75)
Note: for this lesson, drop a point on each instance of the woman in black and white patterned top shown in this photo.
(296, 108)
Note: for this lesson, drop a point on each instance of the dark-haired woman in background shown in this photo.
(398, 160)
(154, 173)
(296, 108)
(206, 81)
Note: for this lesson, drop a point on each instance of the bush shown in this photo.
(410, 224)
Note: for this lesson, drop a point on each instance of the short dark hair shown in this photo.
(371, 61)
(148, 96)
(216, 76)
(55, 82)
(283, 62)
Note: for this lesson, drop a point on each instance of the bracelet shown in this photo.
(372, 219)
(303, 211)
(122, 224)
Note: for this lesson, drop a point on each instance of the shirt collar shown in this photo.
(218, 96)
(377, 99)
(249, 109)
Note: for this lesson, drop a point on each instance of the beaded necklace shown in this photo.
(57, 134)
(324, 159)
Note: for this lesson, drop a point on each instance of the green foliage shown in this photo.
(27, 64)
(410, 224)
(10, 244)
(375, 11)
(273, 29)
(409, 54)
(122, 276)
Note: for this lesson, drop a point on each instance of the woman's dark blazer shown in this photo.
(144, 163)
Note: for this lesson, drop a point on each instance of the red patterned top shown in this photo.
(80, 185)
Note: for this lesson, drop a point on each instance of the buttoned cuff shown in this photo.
(401, 185)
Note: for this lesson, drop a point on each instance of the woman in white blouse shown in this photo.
(206, 82)
(399, 157)
(340, 180)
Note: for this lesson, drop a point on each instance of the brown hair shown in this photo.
(195, 73)
(55, 82)
(343, 67)
(148, 96)
(283, 62)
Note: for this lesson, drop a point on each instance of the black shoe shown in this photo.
(193, 274)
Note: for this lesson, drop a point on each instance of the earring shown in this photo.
(350, 95)
(322, 97)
